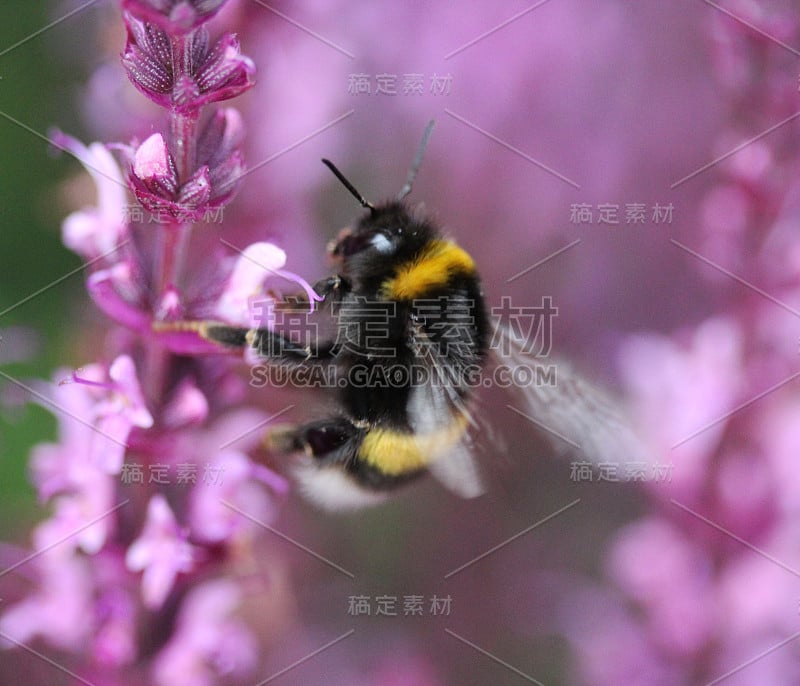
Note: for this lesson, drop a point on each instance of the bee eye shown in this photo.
(354, 243)
(382, 243)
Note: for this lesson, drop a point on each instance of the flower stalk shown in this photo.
(135, 544)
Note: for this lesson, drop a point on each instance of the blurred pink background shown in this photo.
(692, 320)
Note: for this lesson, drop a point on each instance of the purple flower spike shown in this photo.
(174, 15)
(185, 81)
(146, 584)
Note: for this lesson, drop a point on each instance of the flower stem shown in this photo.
(173, 239)
(183, 125)
(184, 143)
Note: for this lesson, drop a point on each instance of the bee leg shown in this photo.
(282, 439)
(331, 440)
(332, 285)
(268, 344)
(330, 289)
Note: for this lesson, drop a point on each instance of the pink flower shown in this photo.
(126, 399)
(237, 481)
(679, 391)
(758, 597)
(164, 271)
(96, 415)
(151, 161)
(96, 231)
(212, 514)
(242, 302)
(161, 552)
(208, 642)
(671, 579)
(118, 407)
(60, 610)
(82, 487)
(612, 646)
(83, 515)
(115, 641)
(188, 406)
(240, 299)
(780, 436)
(57, 467)
(120, 294)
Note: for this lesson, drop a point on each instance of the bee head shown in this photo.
(389, 234)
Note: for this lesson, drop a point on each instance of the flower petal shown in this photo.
(123, 372)
(161, 552)
(151, 159)
(256, 263)
(115, 292)
(97, 230)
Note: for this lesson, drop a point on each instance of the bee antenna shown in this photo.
(412, 173)
(349, 186)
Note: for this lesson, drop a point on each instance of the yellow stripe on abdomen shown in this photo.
(396, 453)
(432, 270)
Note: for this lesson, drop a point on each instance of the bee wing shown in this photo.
(436, 404)
(457, 470)
(574, 414)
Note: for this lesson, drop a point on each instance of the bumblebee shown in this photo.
(410, 316)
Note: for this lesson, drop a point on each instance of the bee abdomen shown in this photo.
(396, 453)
